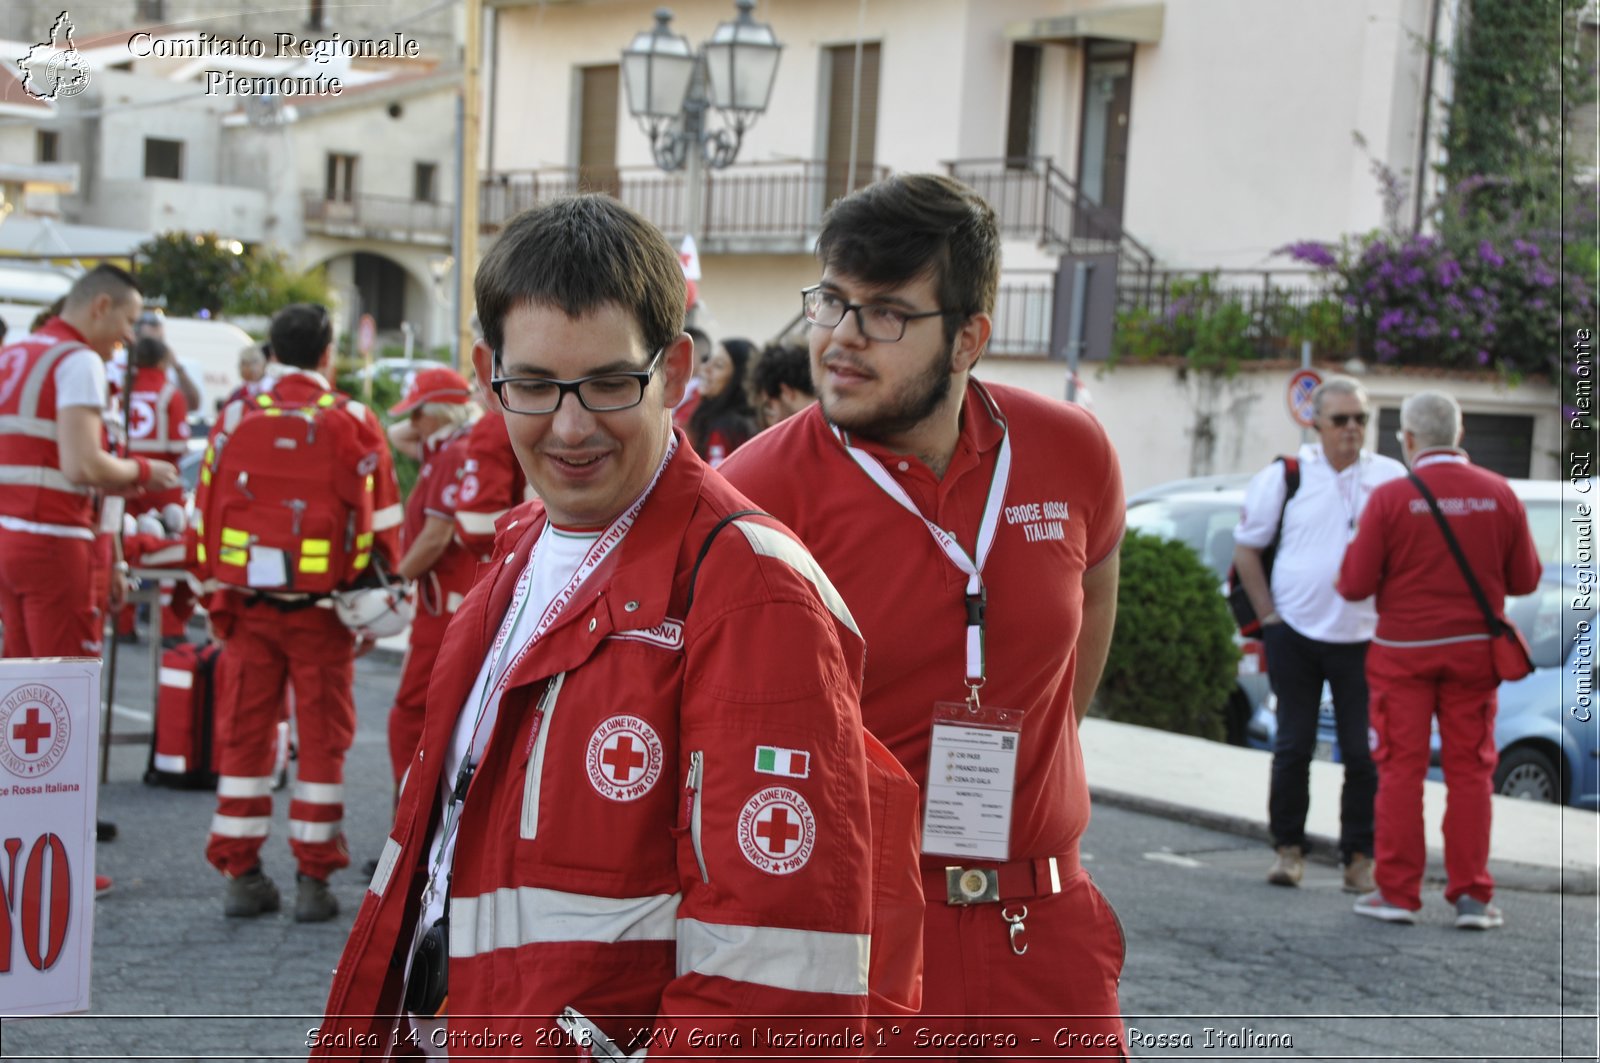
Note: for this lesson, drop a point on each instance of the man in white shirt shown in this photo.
(1311, 634)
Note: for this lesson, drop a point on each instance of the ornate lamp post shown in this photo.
(671, 87)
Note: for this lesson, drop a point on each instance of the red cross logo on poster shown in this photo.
(34, 729)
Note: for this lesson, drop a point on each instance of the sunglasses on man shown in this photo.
(1339, 420)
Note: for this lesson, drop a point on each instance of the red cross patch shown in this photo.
(624, 758)
(34, 730)
(777, 831)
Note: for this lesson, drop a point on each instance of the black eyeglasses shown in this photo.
(601, 393)
(877, 321)
(1339, 420)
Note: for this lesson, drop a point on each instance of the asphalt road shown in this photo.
(1273, 973)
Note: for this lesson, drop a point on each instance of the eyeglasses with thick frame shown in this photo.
(1339, 420)
(600, 393)
(877, 321)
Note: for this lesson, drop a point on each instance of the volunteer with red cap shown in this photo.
(52, 457)
(439, 416)
(297, 506)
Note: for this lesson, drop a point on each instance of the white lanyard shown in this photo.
(976, 668)
(500, 670)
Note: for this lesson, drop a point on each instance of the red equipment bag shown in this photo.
(182, 752)
(279, 506)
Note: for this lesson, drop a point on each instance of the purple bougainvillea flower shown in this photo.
(1489, 255)
(1483, 357)
(1447, 273)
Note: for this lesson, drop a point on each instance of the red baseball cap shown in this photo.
(438, 384)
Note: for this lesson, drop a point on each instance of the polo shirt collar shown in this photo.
(980, 431)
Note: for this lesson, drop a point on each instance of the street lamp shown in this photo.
(671, 86)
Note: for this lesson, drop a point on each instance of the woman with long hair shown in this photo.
(724, 420)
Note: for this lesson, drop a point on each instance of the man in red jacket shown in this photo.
(1430, 657)
(158, 427)
(650, 814)
(280, 637)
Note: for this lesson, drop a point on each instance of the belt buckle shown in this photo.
(971, 885)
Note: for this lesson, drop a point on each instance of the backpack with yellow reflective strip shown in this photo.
(278, 507)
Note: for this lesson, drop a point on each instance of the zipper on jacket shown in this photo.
(539, 736)
(697, 768)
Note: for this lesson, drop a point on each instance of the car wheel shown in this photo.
(1528, 774)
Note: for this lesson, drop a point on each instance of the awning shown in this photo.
(1139, 23)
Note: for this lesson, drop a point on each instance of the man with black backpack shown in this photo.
(297, 502)
(1312, 635)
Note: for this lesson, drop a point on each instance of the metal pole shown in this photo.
(467, 241)
(1305, 363)
(1080, 291)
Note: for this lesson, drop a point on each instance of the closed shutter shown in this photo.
(1024, 103)
(597, 129)
(843, 111)
(1500, 442)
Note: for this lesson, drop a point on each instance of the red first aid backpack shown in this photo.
(280, 508)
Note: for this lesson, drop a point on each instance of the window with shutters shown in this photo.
(341, 183)
(163, 158)
(47, 146)
(1022, 115)
(425, 183)
(1500, 442)
(852, 118)
(597, 128)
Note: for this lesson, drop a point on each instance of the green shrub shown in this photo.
(1173, 661)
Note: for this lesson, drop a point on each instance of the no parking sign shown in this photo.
(1301, 385)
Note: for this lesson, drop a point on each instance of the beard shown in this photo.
(921, 396)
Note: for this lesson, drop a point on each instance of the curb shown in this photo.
(1507, 874)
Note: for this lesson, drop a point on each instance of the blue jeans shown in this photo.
(1297, 667)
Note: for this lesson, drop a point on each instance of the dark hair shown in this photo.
(299, 333)
(781, 363)
(577, 254)
(147, 351)
(104, 279)
(910, 225)
(42, 317)
(698, 334)
(728, 412)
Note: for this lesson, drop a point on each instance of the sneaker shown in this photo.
(1374, 906)
(105, 830)
(1288, 868)
(314, 902)
(1358, 874)
(249, 895)
(102, 885)
(1473, 914)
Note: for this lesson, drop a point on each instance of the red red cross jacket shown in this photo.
(668, 828)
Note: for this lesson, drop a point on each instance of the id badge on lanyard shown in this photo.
(972, 759)
(972, 771)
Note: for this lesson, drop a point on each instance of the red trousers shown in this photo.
(47, 601)
(981, 1000)
(1409, 687)
(312, 651)
(405, 716)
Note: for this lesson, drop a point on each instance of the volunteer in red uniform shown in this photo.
(158, 427)
(439, 416)
(973, 530)
(279, 638)
(651, 814)
(52, 456)
(491, 483)
(1430, 657)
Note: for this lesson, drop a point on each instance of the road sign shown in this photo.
(366, 334)
(1301, 385)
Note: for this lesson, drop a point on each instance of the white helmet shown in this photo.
(375, 612)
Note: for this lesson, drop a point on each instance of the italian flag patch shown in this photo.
(790, 763)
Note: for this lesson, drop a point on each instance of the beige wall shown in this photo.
(1168, 426)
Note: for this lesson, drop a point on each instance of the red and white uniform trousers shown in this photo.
(1409, 687)
(309, 650)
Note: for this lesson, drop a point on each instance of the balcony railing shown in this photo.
(388, 215)
(756, 201)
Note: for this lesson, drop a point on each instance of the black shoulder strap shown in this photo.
(1482, 599)
(1291, 484)
(705, 548)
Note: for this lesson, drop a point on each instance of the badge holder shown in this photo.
(972, 771)
(428, 984)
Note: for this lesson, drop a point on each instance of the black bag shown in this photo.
(1244, 613)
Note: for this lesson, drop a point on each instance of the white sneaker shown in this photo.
(1374, 906)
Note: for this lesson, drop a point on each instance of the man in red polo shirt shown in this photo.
(1430, 657)
(973, 531)
(52, 457)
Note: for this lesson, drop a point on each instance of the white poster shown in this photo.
(49, 734)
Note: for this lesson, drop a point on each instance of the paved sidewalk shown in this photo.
(1532, 845)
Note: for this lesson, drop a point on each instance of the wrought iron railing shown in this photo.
(1023, 311)
(1279, 307)
(385, 213)
(757, 199)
